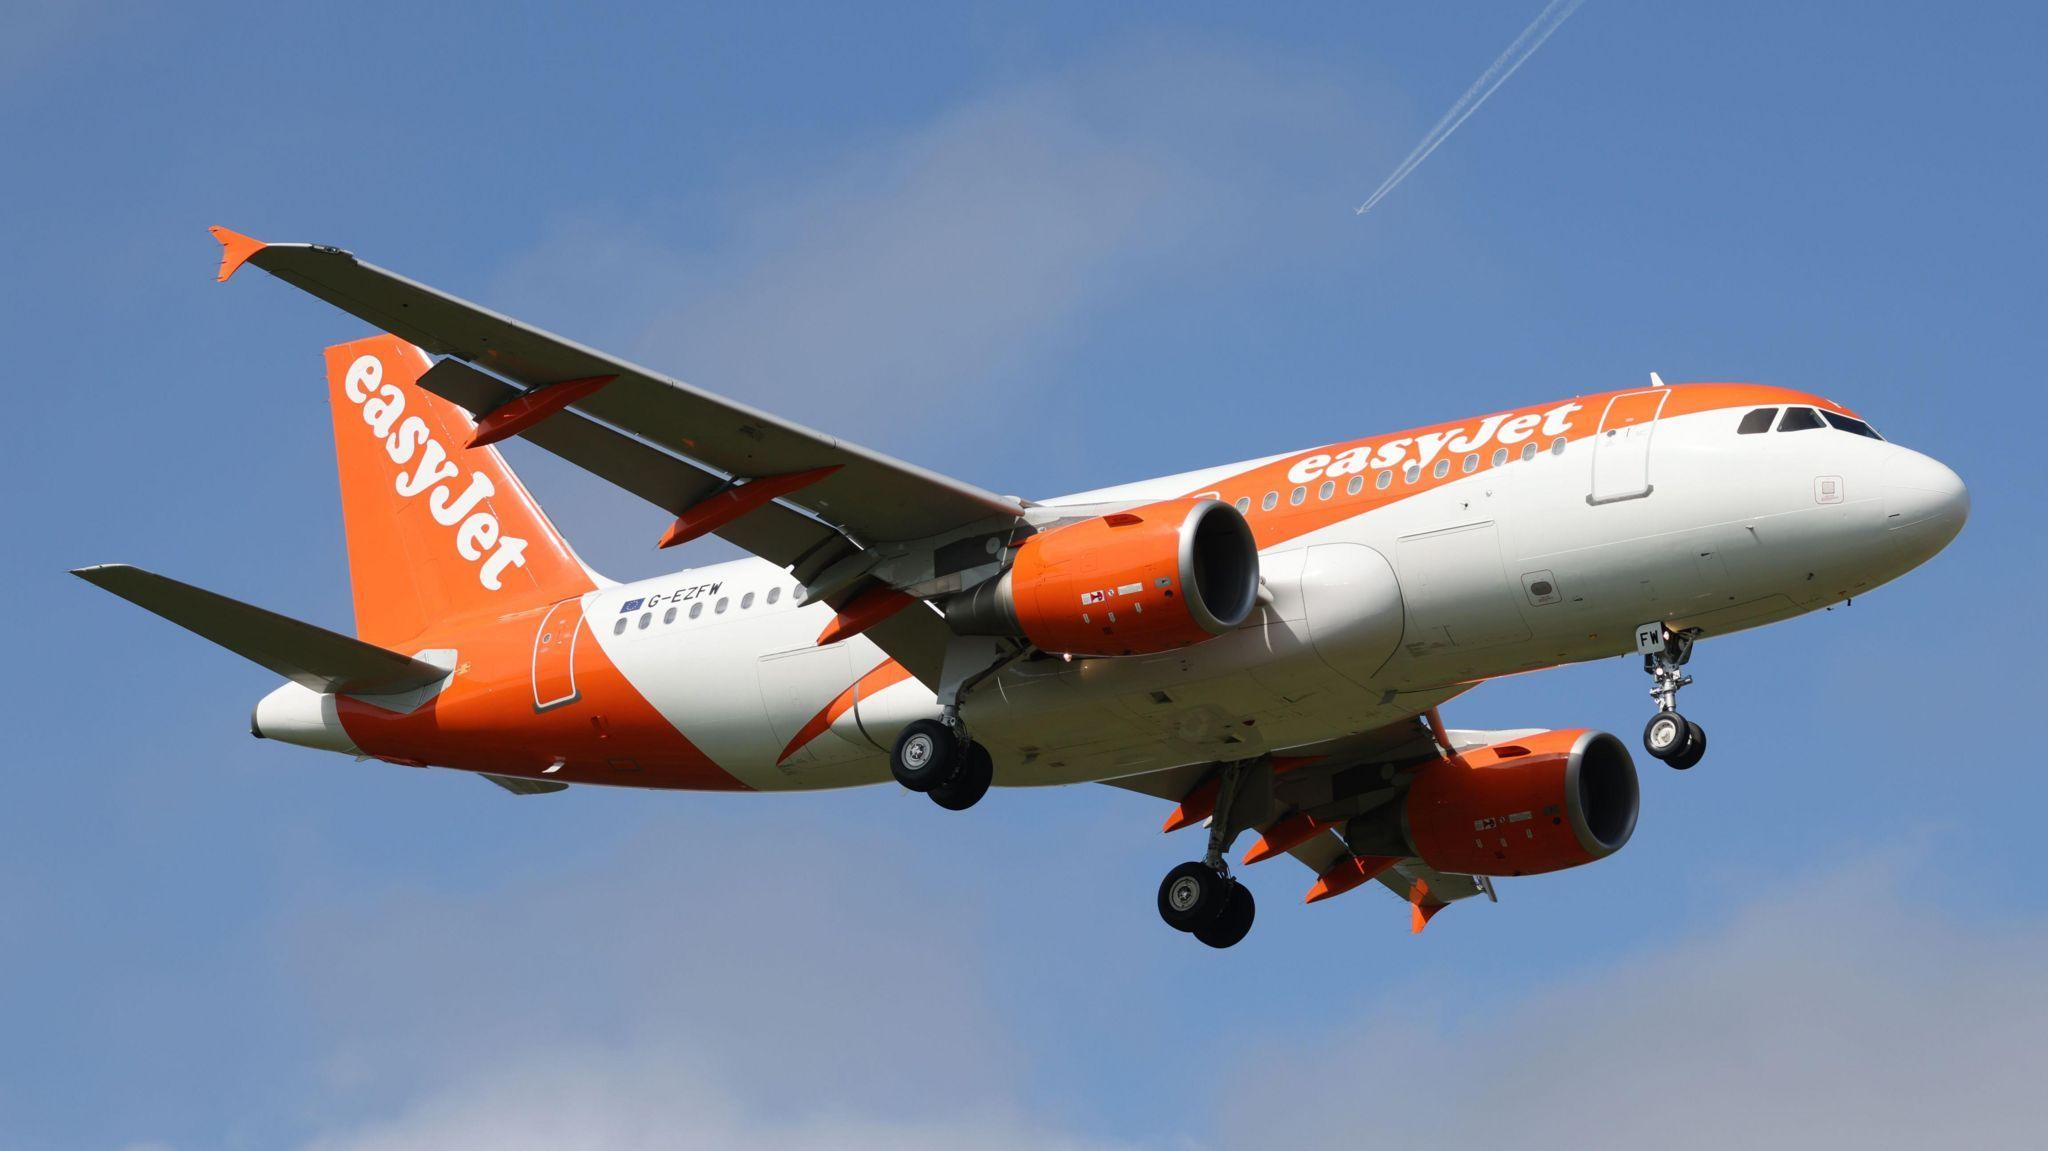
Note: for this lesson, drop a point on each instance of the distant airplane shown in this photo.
(1265, 644)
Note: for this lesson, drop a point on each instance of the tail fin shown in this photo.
(437, 530)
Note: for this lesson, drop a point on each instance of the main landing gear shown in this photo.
(936, 756)
(931, 757)
(1200, 897)
(1669, 736)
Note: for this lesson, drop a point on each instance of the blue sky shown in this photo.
(1045, 252)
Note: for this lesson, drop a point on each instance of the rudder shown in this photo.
(437, 531)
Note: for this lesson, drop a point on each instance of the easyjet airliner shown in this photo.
(1263, 644)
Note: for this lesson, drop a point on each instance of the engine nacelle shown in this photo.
(1521, 807)
(1146, 580)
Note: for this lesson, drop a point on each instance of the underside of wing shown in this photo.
(1303, 801)
(871, 496)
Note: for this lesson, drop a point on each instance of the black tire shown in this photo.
(1668, 735)
(973, 771)
(1234, 923)
(924, 755)
(1192, 896)
(1695, 751)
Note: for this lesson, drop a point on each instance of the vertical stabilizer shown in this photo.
(437, 531)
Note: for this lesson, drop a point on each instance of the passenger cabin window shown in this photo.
(1756, 421)
(1244, 504)
(619, 628)
(696, 609)
(774, 593)
(746, 601)
(1799, 420)
(1852, 425)
(1266, 505)
(722, 602)
(1356, 485)
(668, 616)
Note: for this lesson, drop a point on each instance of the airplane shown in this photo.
(1265, 645)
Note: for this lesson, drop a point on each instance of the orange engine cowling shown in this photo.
(1150, 579)
(1521, 807)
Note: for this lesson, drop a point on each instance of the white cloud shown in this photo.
(919, 276)
(639, 1101)
(636, 1001)
(1833, 1013)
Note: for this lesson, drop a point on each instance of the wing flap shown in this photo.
(323, 660)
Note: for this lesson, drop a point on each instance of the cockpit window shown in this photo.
(1852, 425)
(1799, 420)
(1756, 421)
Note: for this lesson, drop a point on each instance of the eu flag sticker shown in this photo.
(631, 605)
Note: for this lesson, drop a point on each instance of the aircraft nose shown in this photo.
(1925, 503)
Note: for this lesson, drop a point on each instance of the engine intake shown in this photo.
(1546, 802)
(1151, 579)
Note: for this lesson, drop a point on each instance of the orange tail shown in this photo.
(437, 531)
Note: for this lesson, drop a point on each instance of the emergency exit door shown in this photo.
(554, 655)
(1621, 448)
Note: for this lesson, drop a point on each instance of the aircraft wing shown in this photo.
(1331, 783)
(835, 514)
(872, 496)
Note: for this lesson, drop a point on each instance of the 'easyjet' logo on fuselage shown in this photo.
(1506, 429)
(477, 537)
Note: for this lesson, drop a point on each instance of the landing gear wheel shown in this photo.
(1193, 895)
(973, 771)
(1234, 923)
(1693, 752)
(1669, 736)
(924, 755)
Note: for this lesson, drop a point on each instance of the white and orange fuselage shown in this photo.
(1395, 572)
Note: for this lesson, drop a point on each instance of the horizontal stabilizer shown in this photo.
(320, 659)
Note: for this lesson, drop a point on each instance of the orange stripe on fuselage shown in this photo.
(886, 674)
(1451, 441)
(486, 718)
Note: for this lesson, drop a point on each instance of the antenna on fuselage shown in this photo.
(1657, 381)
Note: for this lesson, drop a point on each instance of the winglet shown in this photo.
(235, 250)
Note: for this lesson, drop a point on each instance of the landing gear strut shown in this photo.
(1669, 736)
(936, 756)
(1200, 897)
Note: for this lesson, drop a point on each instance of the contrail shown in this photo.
(1547, 21)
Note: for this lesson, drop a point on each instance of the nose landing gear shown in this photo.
(1669, 736)
(1201, 898)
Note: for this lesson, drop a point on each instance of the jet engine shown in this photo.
(1524, 806)
(1150, 579)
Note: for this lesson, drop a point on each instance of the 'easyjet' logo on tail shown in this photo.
(477, 537)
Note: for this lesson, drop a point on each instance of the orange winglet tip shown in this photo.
(1195, 807)
(529, 408)
(863, 612)
(235, 250)
(1346, 874)
(714, 512)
